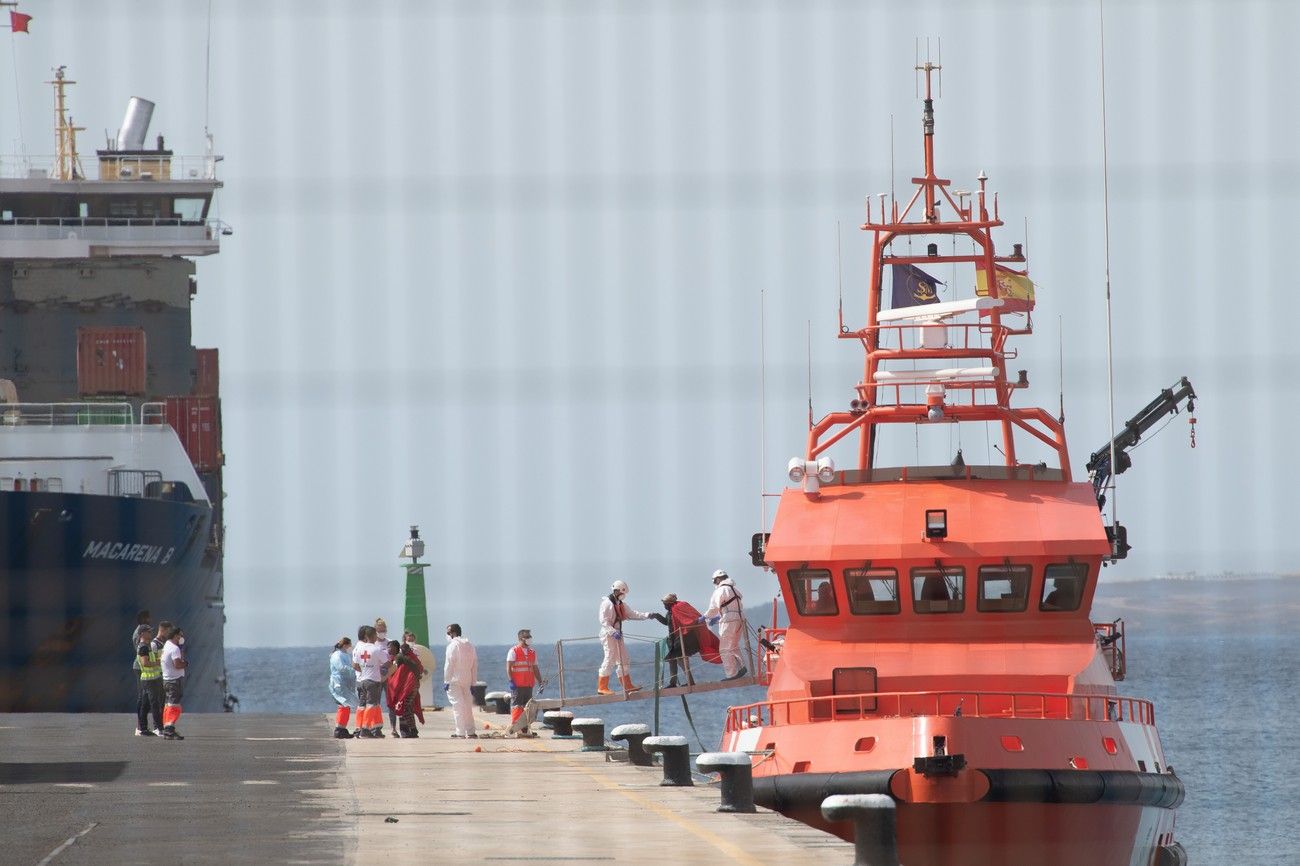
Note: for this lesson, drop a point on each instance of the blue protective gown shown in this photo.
(343, 679)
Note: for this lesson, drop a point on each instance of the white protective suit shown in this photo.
(726, 603)
(612, 617)
(460, 671)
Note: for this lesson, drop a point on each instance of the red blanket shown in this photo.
(685, 621)
(403, 686)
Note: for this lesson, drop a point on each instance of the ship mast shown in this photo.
(67, 165)
(966, 376)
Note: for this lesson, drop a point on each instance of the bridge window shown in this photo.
(813, 592)
(1063, 586)
(939, 590)
(872, 590)
(1003, 588)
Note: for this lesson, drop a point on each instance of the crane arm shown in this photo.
(1167, 403)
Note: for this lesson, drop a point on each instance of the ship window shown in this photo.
(1063, 586)
(1003, 588)
(813, 592)
(190, 209)
(939, 590)
(872, 590)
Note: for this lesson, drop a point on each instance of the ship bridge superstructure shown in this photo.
(134, 201)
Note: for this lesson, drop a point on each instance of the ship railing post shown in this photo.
(559, 667)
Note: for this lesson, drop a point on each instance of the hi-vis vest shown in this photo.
(521, 661)
(150, 668)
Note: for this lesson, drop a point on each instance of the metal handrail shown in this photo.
(71, 414)
(191, 168)
(968, 704)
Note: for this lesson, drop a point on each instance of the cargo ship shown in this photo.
(939, 650)
(110, 419)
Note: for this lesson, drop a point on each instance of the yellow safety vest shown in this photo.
(151, 668)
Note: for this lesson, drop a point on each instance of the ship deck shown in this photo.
(247, 788)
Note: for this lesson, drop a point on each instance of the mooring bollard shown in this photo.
(677, 759)
(875, 840)
(593, 734)
(478, 692)
(560, 721)
(498, 702)
(737, 773)
(634, 734)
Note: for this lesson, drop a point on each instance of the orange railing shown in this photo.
(983, 705)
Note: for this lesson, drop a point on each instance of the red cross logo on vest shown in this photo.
(365, 656)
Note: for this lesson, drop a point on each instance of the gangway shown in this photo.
(657, 686)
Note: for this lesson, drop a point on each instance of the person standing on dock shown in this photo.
(459, 672)
(725, 606)
(151, 686)
(343, 686)
(613, 612)
(173, 674)
(368, 659)
(522, 673)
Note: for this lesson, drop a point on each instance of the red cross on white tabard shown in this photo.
(365, 656)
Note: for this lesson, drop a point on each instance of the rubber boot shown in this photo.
(627, 684)
(602, 686)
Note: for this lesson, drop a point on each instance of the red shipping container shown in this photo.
(197, 421)
(110, 361)
(207, 379)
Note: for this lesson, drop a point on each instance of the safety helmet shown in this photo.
(619, 586)
(719, 575)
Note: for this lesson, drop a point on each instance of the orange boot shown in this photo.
(627, 684)
(602, 686)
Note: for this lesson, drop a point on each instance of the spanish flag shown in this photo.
(1014, 287)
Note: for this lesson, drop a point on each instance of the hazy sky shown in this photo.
(496, 269)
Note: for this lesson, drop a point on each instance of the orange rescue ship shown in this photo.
(940, 649)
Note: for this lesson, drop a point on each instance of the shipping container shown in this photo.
(207, 377)
(197, 421)
(110, 361)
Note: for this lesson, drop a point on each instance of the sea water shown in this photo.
(1225, 690)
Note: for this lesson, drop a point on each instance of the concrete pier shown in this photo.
(276, 789)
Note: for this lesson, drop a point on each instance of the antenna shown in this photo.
(810, 411)
(1060, 369)
(1105, 198)
(207, 72)
(762, 403)
(839, 273)
(892, 180)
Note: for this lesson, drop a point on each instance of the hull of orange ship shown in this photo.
(1019, 834)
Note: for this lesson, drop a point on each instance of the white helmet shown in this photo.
(619, 586)
(719, 575)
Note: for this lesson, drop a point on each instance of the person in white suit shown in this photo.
(459, 672)
(725, 608)
(613, 613)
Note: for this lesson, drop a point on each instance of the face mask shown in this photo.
(450, 638)
(181, 642)
(527, 642)
(383, 635)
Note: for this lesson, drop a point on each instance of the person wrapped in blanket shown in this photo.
(402, 688)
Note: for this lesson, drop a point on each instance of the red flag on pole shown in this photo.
(18, 22)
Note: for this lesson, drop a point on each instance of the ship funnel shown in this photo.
(135, 125)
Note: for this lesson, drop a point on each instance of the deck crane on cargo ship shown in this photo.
(940, 650)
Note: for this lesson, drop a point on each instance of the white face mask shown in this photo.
(383, 635)
(527, 641)
(450, 638)
(181, 642)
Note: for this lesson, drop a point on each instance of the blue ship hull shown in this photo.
(74, 570)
